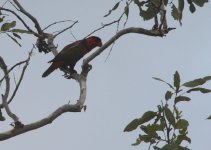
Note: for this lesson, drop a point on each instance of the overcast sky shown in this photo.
(119, 89)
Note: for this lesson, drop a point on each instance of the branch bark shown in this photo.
(118, 35)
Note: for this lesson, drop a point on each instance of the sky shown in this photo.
(120, 88)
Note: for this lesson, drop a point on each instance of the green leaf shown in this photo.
(181, 6)
(132, 125)
(181, 124)
(177, 81)
(1, 19)
(209, 117)
(181, 138)
(200, 3)
(181, 98)
(192, 8)
(7, 26)
(168, 95)
(197, 82)
(21, 31)
(126, 11)
(14, 39)
(202, 90)
(146, 138)
(114, 8)
(138, 141)
(169, 115)
(164, 82)
(149, 13)
(16, 35)
(175, 13)
(147, 116)
(177, 112)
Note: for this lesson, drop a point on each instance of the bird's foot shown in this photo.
(69, 74)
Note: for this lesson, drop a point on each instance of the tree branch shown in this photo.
(119, 34)
(81, 78)
(23, 22)
(7, 90)
(33, 19)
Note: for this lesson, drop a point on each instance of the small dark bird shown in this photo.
(72, 53)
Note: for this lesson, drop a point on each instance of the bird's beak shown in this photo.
(100, 44)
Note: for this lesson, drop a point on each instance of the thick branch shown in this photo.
(38, 124)
(81, 79)
(119, 34)
(33, 19)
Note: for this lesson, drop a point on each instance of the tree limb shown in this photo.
(33, 19)
(7, 90)
(81, 78)
(119, 34)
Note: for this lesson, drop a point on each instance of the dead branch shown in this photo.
(7, 90)
(119, 34)
(81, 78)
(22, 75)
(65, 29)
(57, 23)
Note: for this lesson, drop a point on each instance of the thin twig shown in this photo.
(57, 23)
(103, 26)
(7, 90)
(18, 64)
(65, 29)
(22, 75)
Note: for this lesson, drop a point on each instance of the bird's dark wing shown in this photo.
(66, 50)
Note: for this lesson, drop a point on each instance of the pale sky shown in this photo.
(119, 90)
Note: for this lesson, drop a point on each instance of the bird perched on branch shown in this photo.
(72, 53)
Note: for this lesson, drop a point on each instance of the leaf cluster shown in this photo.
(166, 128)
(9, 29)
(150, 8)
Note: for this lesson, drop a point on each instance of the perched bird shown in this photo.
(72, 53)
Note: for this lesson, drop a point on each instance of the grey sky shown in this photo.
(119, 89)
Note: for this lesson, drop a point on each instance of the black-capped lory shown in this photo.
(72, 53)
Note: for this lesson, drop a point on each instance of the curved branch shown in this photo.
(23, 22)
(38, 124)
(81, 79)
(33, 19)
(119, 34)
(7, 90)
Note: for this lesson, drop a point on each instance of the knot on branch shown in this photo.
(17, 125)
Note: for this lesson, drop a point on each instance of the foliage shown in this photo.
(166, 128)
(149, 9)
(9, 29)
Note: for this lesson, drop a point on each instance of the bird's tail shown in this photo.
(48, 71)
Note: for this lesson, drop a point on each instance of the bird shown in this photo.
(72, 53)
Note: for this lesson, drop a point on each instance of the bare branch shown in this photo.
(65, 29)
(7, 90)
(119, 34)
(22, 74)
(103, 26)
(57, 23)
(18, 64)
(81, 78)
(33, 19)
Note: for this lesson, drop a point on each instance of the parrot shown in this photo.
(72, 53)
